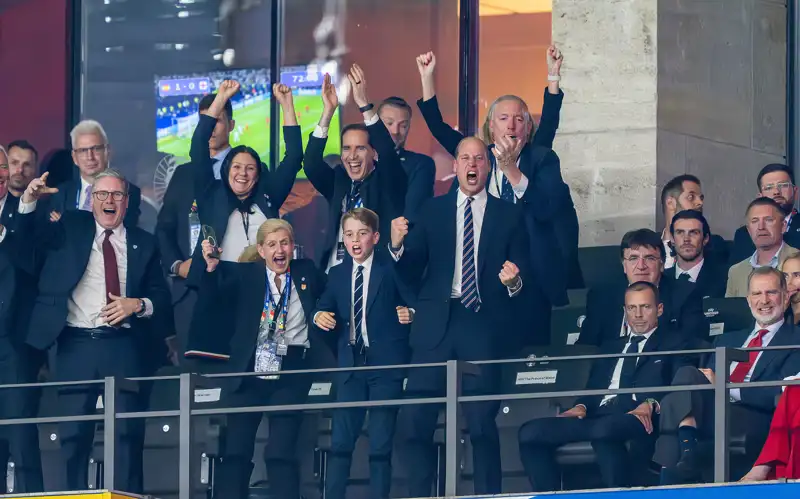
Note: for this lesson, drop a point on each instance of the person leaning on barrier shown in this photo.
(688, 417)
(612, 421)
(255, 316)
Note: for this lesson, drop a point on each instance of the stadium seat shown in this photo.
(565, 324)
(727, 314)
(600, 265)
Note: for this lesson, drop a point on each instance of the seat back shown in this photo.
(727, 314)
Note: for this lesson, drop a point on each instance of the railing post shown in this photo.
(187, 468)
(109, 432)
(721, 415)
(451, 434)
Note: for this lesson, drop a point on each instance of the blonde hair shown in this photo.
(87, 127)
(486, 133)
(271, 226)
(792, 257)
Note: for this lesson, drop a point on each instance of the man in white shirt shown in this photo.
(687, 417)
(610, 421)
(102, 297)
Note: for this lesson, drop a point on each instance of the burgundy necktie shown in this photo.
(742, 368)
(110, 267)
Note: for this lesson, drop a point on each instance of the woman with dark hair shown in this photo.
(232, 209)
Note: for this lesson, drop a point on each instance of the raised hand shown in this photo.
(358, 83)
(330, 100)
(554, 60)
(228, 89)
(426, 63)
(509, 274)
(507, 150)
(208, 249)
(283, 94)
(325, 320)
(399, 231)
(38, 188)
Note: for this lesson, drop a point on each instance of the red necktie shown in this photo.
(742, 368)
(110, 267)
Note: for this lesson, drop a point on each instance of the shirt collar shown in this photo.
(479, 198)
(693, 272)
(646, 335)
(118, 233)
(221, 155)
(772, 263)
(772, 328)
(367, 264)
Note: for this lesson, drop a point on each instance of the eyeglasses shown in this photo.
(781, 186)
(648, 260)
(94, 150)
(103, 195)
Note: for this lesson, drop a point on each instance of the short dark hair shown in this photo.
(396, 102)
(642, 286)
(642, 237)
(363, 215)
(24, 145)
(772, 168)
(763, 201)
(674, 187)
(207, 100)
(690, 215)
(355, 127)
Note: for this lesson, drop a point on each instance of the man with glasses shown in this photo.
(642, 254)
(766, 226)
(91, 153)
(101, 310)
(775, 181)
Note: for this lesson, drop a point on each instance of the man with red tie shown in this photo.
(688, 417)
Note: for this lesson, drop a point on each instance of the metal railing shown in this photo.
(188, 467)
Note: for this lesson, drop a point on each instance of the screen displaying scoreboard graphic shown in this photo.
(178, 98)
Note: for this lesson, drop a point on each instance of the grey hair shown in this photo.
(110, 173)
(87, 127)
(3, 150)
(767, 270)
(486, 133)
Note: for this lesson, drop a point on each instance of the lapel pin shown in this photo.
(135, 247)
(303, 286)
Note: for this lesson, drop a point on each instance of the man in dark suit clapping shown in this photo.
(472, 258)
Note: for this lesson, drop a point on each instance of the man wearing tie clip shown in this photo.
(255, 316)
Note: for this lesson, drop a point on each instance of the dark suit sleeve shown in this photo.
(519, 252)
(134, 206)
(201, 158)
(321, 176)
(411, 265)
(282, 179)
(441, 131)
(547, 195)
(214, 315)
(421, 180)
(591, 329)
(764, 398)
(328, 300)
(157, 291)
(392, 178)
(548, 124)
(167, 222)
(597, 381)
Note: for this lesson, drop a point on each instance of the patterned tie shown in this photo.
(469, 282)
(354, 199)
(358, 307)
(87, 200)
(742, 368)
(506, 190)
(110, 267)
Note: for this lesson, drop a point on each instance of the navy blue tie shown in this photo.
(358, 308)
(354, 199)
(469, 283)
(506, 189)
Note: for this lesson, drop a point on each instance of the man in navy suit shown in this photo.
(687, 417)
(102, 295)
(364, 297)
(611, 421)
(470, 256)
(91, 152)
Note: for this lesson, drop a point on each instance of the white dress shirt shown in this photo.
(85, 186)
(773, 262)
(85, 304)
(296, 327)
(669, 260)
(496, 183)
(693, 272)
(235, 240)
(364, 294)
(617, 374)
(765, 340)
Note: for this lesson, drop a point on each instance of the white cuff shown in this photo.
(396, 254)
(512, 292)
(148, 309)
(173, 270)
(320, 132)
(372, 120)
(553, 77)
(25, 208)
(736, 395)
(3, 234)
(521, 187)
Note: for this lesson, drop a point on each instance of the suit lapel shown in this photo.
(448, 228)
(651, 345)
(487, 231)
(85, 241)
(300, 281)
(134, 262)
(782, 337)
(375, 277)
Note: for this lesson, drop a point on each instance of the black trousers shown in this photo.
(677, 406)
(86, 354)
(468, 337)
(20, 444)
(622, 446)
(232, 478)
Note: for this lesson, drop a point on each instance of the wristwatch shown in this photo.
(142, 308)
(366, 108)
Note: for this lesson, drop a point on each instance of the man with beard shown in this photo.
(775, 181)
(684, 192)
(687, 417)
(23, 162)
(766, 226)
(791, 270)
(690, 236)
(420, 169)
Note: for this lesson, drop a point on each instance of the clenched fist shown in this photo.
(325, 320)
(228, 89)
(509, 275)
(554, 60)
(405, 315)
(399, 231)
(208, 249)
(282, 93)
(426, 63)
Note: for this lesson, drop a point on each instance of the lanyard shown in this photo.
(246, 225)
(276, 325)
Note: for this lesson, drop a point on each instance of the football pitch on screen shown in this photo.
(252, 129)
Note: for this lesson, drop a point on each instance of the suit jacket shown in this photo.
(683, 311)
(738, 274)
(551, 219)
(711, 280)
(64, 248)
(388, 339)
(421, 172)
(773, 365)
(650, 371)
(66, 199)
(228, 313)
(743, 246)
(429, 252)
(19, 274)
(383, 191)
(213, 207)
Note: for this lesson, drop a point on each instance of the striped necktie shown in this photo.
(469, 282)
(358, 308)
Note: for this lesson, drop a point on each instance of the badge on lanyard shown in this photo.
(272, 346)
(340, 251)
(194, 226)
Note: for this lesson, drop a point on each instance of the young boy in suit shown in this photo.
(366, 301)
